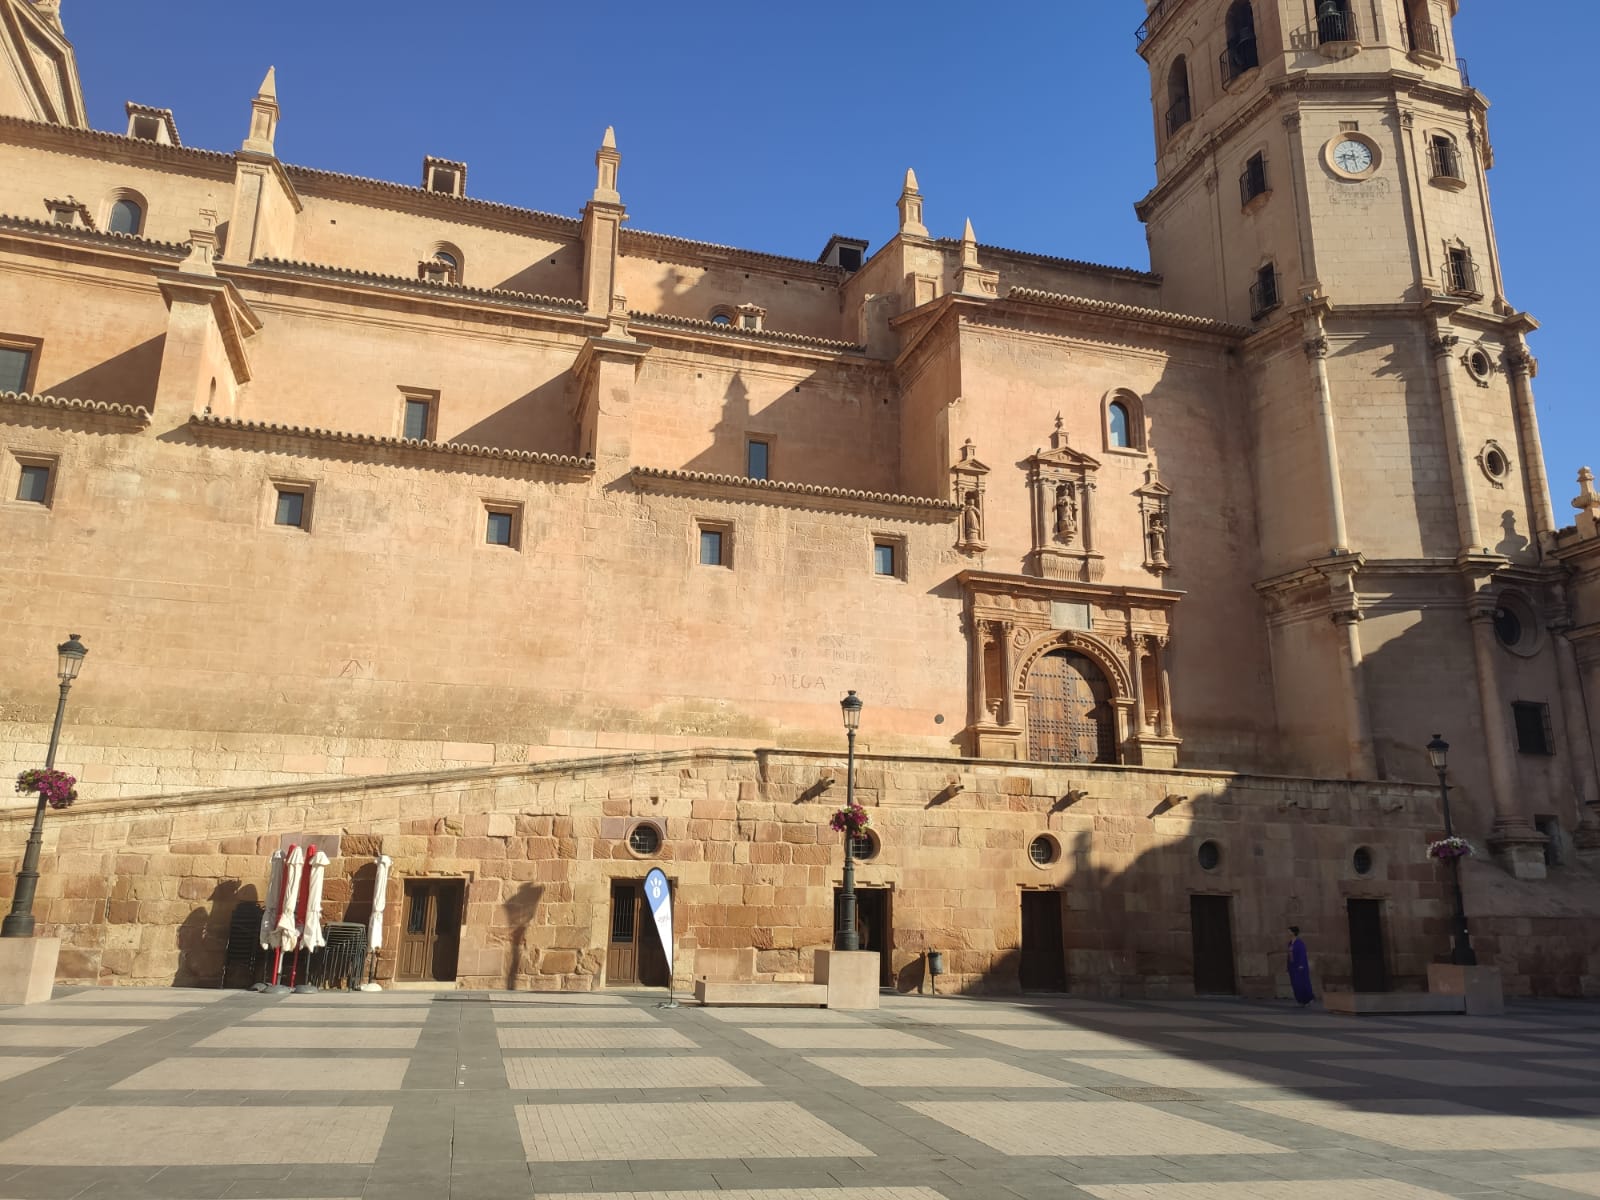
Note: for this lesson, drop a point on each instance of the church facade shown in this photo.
(510, 535)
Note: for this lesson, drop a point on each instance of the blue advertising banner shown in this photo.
(659, 896)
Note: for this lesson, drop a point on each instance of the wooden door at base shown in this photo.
(1211, 924)
(1070, 714)
(1043, 966)
(1369, 965)
(430, 935)
(634, 954)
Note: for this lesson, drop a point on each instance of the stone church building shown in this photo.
(532, 550)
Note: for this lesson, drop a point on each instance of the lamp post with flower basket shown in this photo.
(1452, 849)
(56, 790)
(850, 820)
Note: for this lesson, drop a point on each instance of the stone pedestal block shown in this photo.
(851, 976)
(1480, 986)
(28, 969)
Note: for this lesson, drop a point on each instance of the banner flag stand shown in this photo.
(658, 894)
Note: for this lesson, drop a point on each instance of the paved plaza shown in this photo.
(200, 1095)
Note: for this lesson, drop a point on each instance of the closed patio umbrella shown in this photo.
(380, 890)
(312, 937)
(269, 915)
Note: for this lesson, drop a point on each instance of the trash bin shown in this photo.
(935, 962)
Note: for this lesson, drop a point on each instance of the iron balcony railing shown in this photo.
(1337, 27)
(1466, 79)
(1461, 275)
(1423, 38)
(1264, 294)
(1177, 116)
(1239, 58)
(1153, 19)
(1445, 159)
(1253, 182)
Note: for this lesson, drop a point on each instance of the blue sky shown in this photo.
(774, 126)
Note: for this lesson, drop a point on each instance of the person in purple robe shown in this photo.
(1300, 969)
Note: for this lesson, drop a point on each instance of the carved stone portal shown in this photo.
(1061, 488)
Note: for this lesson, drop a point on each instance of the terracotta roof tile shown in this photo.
(1076, 264)
(313, 175)
(733, 331)
(159, 149)
(1132, 311)
(641, 239)
(77, 233)
(797, 489)
(421, 287)
(96, 408)
(205, 422)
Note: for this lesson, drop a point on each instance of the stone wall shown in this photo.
(141, 891)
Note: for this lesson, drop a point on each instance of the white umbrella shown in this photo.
(269, 914)
(312, 936)
(380, 893)
(286, 934)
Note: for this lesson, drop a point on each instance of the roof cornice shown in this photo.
(61, 410)
(766, 339)
(741, 489)
(96, 142)
(390, 451)
(454, 294)
(382, 193)
(122, 244)
(641, 243)
(1152, 317)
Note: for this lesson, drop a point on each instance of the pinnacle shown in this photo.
(911, 180)
(609, 142)
(968, 235)
(269, 85)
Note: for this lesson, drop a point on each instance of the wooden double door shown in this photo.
(1071, 717)
(634, 956)
(430, 930)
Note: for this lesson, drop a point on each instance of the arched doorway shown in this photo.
(1070, 714)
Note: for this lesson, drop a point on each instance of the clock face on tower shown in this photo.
(1353, 156)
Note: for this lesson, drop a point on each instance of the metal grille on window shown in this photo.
(1042, 851)
(645, 839)
(863, 846)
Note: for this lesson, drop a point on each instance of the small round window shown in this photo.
(864, 846)
(1043, 850)
(644, 840)
(1507, 627)
(1210, 856)
(1480, 364)
(1361, 860)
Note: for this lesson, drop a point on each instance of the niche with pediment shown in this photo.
(1061, 487)
(967, 482)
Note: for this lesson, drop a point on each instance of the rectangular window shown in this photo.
(713, 551)
(1264, 292)
(34, 484)
(1253, 182)
(757, 459)
(1446, 163)
(1461, 273)
(1534, 735)
(16, 368)
(291, 508)
(886, 558)
(418, 413)
(498, 530)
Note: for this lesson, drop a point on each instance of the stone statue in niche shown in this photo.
(1158, 539)
(1066, 506)
(971, 519)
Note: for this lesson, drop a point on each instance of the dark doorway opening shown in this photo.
(430, 934)
(874, 926)
(1369, 964)
(1211, 923)
(1044, 954)
(634, 955)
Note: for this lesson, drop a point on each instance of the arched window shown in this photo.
(126, 215)
(1241, 55)
(1119, 423)
(442, 255)
(449, 260)
(1124, 417)
(1178, 108)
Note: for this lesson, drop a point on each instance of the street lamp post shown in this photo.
(847, 937)
(1461, 952)
(19, 924)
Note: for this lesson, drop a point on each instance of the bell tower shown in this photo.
(1321, 184)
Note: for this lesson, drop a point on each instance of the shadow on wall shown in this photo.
(519, 910)
(203, 935)
(126, 378)
(539, 420)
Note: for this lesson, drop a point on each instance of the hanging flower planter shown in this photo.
(1450, 848)
(57, 787)
(852, 819)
